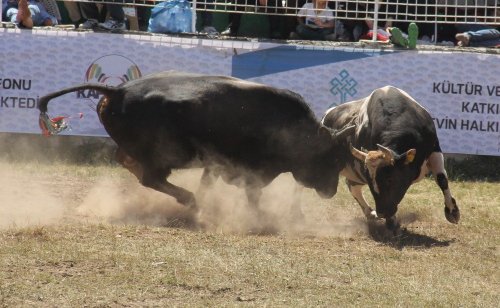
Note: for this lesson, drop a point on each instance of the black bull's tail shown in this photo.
(104, 89)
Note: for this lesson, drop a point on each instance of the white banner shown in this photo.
(461, 90)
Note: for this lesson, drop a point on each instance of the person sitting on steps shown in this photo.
(479, 35)
(116, 21)
(401, 39)
(316, 21)
(235, 18)
(27, 14)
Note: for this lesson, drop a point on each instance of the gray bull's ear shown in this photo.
(408, 156)
(405, 158)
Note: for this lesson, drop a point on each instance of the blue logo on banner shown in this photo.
(343, 85)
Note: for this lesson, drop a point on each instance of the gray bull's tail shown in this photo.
(104, 89)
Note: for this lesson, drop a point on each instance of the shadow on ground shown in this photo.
(379, 233)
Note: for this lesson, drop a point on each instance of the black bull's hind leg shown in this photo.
(155, 178)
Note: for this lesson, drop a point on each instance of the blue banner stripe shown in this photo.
(287, 58)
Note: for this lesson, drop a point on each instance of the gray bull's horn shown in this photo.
(390, 155)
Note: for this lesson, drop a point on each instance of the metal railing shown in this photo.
(423, 11)
(431, 12)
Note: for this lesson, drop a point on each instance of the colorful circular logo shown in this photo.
(112, 70)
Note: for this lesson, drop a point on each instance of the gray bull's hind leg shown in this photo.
(356, 191)
(436, 165)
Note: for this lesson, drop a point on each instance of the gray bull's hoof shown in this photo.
(452, 216)
(393, 226)
(371, 215)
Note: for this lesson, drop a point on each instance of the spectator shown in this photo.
(116, 21)
(241, 5)
(477, 35)
(487, 37)
(27, 14)
(402, 39)
(363, 13)
(207, 17)
(316, 21)
(73, 10)
(417, 10)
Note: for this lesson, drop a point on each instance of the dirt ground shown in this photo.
(91, 236)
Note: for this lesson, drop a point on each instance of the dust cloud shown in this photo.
(32, 196)
(38, 189)
(34, 189)
(222, 209)
(24, 200)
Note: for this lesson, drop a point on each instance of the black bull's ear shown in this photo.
(338, 134)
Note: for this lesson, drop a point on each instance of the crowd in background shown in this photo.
(315, 20)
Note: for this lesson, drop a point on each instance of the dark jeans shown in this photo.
(235, 18)
(206, 17)
(91, 11)
(309, 33)
(484, 38)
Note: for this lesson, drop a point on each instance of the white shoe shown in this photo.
(210, 30)
(112, 25)
(331, 37)
(294, 36)
(89, 24)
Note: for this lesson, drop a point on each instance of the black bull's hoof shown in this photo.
(452, 216)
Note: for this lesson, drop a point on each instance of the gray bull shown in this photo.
(394, 145)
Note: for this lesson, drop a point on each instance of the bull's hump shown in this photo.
(388, 92)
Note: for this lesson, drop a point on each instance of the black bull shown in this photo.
(244, 132)
(394, 145)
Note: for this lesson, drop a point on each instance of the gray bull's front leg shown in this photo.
(393, 225)
(356, 191)
(436, 165)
